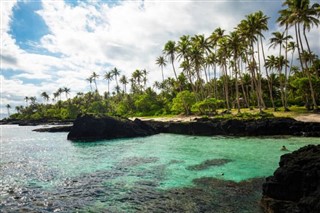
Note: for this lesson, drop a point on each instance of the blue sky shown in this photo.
(50, 44)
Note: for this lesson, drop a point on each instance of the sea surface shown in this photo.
(44, 172)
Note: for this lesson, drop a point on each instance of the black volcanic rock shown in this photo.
(89, 128)
(234, 127)
(295, 185)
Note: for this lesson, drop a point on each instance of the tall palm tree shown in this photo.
(94, 77)
(45, 96)
(123, 80)
(8, 108)
(297, 13)
(60, 91)
(161, 61)
(170, 51)
(26, 100)
(90, 82)
(108, 76)
(115, 72)
(213, 39)
(277, 40)
(270, 64)
(137, 76)
(234, 44)
(66, 91)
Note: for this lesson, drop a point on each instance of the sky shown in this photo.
(50, 44)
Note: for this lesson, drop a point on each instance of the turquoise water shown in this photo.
(46, 172)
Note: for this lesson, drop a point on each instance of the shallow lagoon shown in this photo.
(45, 172)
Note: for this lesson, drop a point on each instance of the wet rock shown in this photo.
(208, 163)
(295, 185)
(90, 128)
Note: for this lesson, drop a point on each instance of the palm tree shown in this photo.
(161, 61)
(94, 77)
(275, 41)
(27, 100)
(137, 76)
(123, 80)
(90, 81)
(60, 91)
(115, 72)
(55, 96)
(170, 51)
(33, 100)
(45, 96)
(66, 91)
(235, 46)
(108, 76)
(214, 38)
(299, 12)
(270, 64)
(8, 108)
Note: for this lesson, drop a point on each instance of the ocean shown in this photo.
(44, 172)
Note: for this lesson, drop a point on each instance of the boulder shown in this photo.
(90, 128)
(295, 185)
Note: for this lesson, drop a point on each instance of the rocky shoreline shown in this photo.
(88, 128)
(295, 185)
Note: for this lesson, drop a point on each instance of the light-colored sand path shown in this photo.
(305, 118)
(308, 118)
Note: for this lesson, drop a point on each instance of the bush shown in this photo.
(183, 102)
(207, 107)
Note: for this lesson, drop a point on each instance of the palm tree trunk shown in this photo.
(268, 77)
(237, 89)
(259, 78)
(298, 45)
(286, 72)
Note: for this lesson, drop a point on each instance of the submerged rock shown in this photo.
(90, 128)
(208, 163)
(295, 185)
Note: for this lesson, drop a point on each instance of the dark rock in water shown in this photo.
(208, 163)
(92, 128)
(295, 185)
(54, 129)
(89, 128)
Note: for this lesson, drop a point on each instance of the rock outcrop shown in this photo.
(90, 128)
(234, 127)
(295, 185)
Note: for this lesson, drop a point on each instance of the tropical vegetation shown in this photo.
(222, 70)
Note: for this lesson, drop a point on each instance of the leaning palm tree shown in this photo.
(161, 61)
(94, 77)
(45, 96)
(8, 108)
